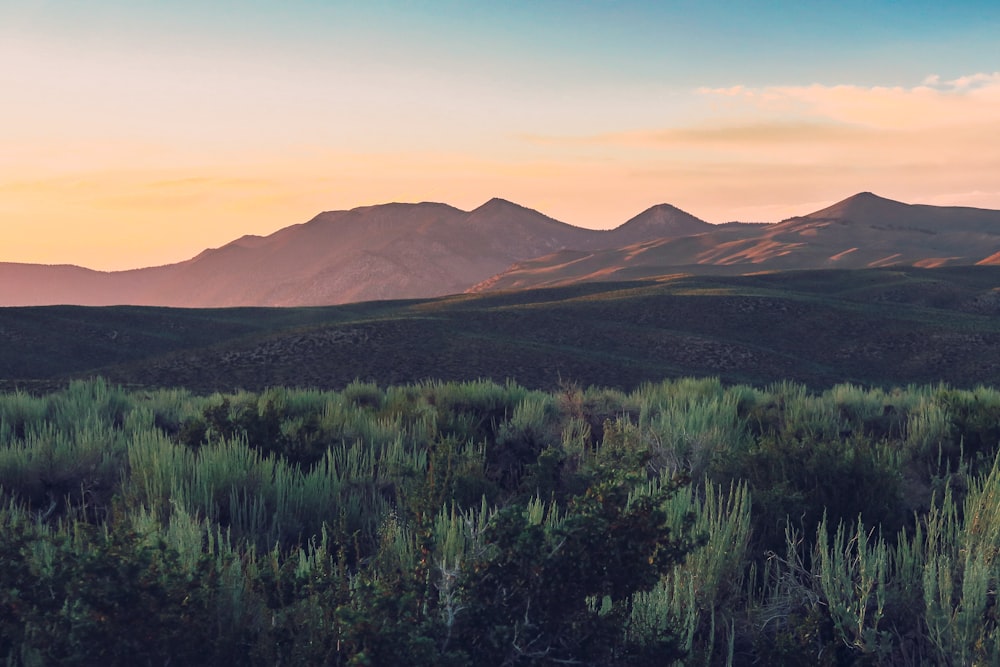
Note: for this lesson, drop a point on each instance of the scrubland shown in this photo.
(447, 523)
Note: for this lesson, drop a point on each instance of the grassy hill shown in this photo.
(877, 327)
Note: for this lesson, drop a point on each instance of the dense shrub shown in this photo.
(80, 597)
(557, 589)
(801, 481)
(465, 523)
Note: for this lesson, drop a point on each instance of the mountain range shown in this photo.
(397, 251)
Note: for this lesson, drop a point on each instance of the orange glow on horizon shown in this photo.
(760, 155)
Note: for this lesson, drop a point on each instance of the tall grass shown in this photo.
(857, 525)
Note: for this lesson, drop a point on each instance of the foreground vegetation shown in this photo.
(459, 523)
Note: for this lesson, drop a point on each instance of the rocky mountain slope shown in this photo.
(863, 231)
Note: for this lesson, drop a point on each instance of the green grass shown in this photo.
(882, 327)
(413, 523)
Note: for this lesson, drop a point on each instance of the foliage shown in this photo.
(553, 589)
(476, 522)
(73, 597)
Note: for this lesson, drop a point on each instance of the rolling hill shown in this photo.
(887, 327)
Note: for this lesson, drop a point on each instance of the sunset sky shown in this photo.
(139, 132)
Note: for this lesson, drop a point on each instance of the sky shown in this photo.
(139, 132)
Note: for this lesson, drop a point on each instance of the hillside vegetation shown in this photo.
(448, 523)
(881, 327)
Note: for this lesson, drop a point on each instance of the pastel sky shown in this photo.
(139, 132)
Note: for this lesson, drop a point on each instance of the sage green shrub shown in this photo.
(552, 588)
(698, 598)
(412, 524)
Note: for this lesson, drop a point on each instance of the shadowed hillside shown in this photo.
(878, 326)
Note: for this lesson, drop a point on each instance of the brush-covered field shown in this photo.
(461, 523)
(878, 327)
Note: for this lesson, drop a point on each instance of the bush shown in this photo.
(82, 599)
(552, 590)
(804, 480)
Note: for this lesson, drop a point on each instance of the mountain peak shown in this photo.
(501, 211)
(864, 205)
(663, 209)
(870, 199)
(667, 220)
(866, 196)
(498, 204)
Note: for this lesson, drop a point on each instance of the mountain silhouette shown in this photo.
(862, 231)
(389, 251)
(396, 251)
(662, 220)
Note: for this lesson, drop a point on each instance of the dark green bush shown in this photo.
(477, 523)
(975, 423)
(801, 480)
(113, 600)
(558, 593)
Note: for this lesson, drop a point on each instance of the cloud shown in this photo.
(761, 151)
(936, 123)
(740, 152)
(963, 113)
(980, 80)
(208, 182)
(758, 133)
(972, 99)
(731, 91)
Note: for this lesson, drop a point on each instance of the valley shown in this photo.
(880, 327)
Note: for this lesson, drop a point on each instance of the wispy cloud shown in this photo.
(762, 145)
(740, 152)
(935, 122)
(964, 82)
(728, 133)
(935, 103)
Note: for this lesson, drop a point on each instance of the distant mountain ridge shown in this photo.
(862, 231)
(389, 251)
(395, 251)
(869, 208)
